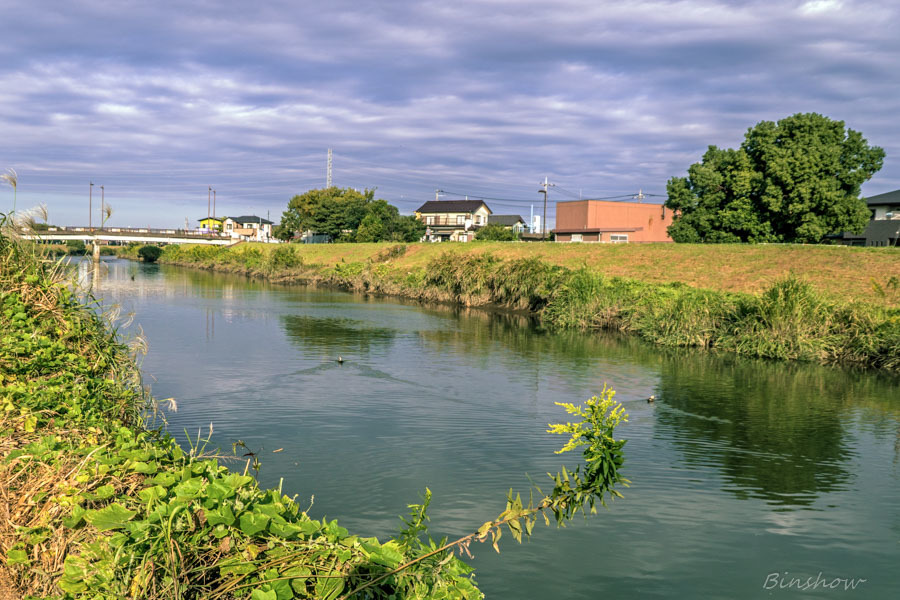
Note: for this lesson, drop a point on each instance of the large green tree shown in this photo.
(796, 180)
(348, 215)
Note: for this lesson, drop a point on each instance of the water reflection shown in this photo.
(335, 335)
(776, 431)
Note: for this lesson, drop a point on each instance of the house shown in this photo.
(612, 222)
(248, 228)
(514, 222)
(453, 220)
(883, 205)
(211, 223)
(884, 226)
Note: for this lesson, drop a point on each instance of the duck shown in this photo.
(651, 399)
(340, 359)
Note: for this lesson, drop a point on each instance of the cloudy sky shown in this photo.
(157, 101)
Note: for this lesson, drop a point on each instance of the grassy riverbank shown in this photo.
(794, 308)
(95, 504)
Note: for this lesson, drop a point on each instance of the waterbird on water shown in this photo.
(651, 399)
(340, 359)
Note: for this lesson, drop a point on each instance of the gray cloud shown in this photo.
(158, 101)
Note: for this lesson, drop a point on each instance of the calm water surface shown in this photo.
(741, 469)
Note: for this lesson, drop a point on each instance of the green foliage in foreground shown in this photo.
(149, 253)
(100, 506)
(796, 180)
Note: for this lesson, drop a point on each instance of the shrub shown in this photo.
(496, 233)
(150, 253)
(76, 247)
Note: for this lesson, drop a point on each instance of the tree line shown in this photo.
(347, 215)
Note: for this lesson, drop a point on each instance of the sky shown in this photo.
(159, 101)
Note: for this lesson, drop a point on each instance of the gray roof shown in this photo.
(886, 198)
(250, 219)
(452, 206)
(505, 220)
(882, 229)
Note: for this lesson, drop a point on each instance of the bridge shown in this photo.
(125, 235)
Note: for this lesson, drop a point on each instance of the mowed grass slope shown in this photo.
(841, 273)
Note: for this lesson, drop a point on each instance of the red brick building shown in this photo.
(609, 221)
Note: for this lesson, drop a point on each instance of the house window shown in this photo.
(429, 220)
(228, 226)
(576, 237)
(618, 238)
(478, 219)
(460, 219)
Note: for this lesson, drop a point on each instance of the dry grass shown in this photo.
(840, 273)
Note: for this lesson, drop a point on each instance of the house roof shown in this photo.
(452, 206)
(250, 219)
(219, 219)
(882, 229)
(886, 198)
(505, 220)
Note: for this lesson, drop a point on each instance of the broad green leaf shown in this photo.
(189, 489)
(285, 530)
(151, 494)
(147, 468)
(101, 493)
(74, 519)
(17, 557)
(261, 595)
(252, 523)
(221, 515)
(113, 516)
(164, 479)
(388, 555)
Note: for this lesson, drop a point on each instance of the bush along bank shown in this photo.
(788, 321)
(96, 504)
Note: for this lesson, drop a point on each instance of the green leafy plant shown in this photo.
(150, 253)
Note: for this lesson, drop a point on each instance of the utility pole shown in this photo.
(208, 200)
(90, 205)
(547, 185)
(214, 204)
(102, 205)
(328, 172)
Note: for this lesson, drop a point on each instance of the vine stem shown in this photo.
(543, 505)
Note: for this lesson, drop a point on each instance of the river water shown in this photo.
(749, 478)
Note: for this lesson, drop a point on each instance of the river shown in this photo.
(749, 478)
